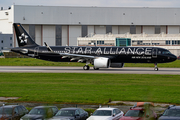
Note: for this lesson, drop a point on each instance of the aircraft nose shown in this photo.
(173, 57)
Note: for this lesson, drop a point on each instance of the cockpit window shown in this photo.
(166, 52)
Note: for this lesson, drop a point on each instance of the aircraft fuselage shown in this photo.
(116, 54)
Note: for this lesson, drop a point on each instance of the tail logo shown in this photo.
(23, 38)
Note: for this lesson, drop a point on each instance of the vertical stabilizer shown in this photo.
(23, 38)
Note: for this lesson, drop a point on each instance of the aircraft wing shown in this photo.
(78, 57)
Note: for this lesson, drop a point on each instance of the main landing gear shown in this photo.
(96, 68)
(86, 67)
(156, 68)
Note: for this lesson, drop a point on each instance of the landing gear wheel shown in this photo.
(86, 67)
(96, 68)
(156, 69)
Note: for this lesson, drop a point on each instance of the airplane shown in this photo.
(100, 57)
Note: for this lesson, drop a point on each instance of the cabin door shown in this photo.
(154, 52)
(36, 49)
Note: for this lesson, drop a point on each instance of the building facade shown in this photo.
(6, 41)
(62, 25)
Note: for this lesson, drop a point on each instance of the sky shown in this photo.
(99, 3)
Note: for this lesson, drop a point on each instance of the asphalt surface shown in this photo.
(125, 70)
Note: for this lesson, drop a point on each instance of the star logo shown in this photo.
(23, 38)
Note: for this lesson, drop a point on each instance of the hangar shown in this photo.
(66, 25)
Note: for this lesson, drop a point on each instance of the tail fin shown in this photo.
(23, 38)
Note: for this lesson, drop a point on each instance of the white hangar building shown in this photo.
(63, 25)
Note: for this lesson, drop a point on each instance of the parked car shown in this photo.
(141, 111)
(40, 113)
(12, 112)
(171, 113)
(178, 57)
(71, 114)
(106, 114)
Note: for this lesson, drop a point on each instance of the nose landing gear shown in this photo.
(156, 68)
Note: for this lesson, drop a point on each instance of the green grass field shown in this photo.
(37, 62)
(90, 88)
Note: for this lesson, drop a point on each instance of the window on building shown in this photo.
(92, 43)
(1, 41)
(133, 29)
(155, 43)
(84, 31)
(178, 42)
(100, 42)
(168, 42)
(108, 29)
(146, 44)
(10, 38)
(175, 42)
(157, 29)
(2, 48)
(10, 44)
(32, 31)
(58, 35)
(139, 42)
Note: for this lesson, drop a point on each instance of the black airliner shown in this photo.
(100, 57)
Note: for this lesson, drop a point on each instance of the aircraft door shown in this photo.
(36, 49)
(154, 52)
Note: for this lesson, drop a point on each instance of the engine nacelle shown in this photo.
(117, 65)
(101, 62)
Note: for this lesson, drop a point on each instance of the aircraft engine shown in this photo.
(101, 62)
(117, 65)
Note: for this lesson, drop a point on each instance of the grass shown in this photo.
(89, 88)
(37, 62)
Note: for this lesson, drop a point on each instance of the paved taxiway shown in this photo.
(125, 70)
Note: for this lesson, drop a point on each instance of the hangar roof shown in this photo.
(65, 15)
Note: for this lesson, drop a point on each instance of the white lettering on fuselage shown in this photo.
(109, 50)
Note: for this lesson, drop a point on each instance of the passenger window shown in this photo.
(77, 112)
(16, 111)
(117, 111)
(49, 113)
(24, 109)
(114, 112)
(54, 110)
(81, 111)
(20, 110)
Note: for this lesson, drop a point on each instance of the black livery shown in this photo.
(100, 57)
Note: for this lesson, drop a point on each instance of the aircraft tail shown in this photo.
(23, 38)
